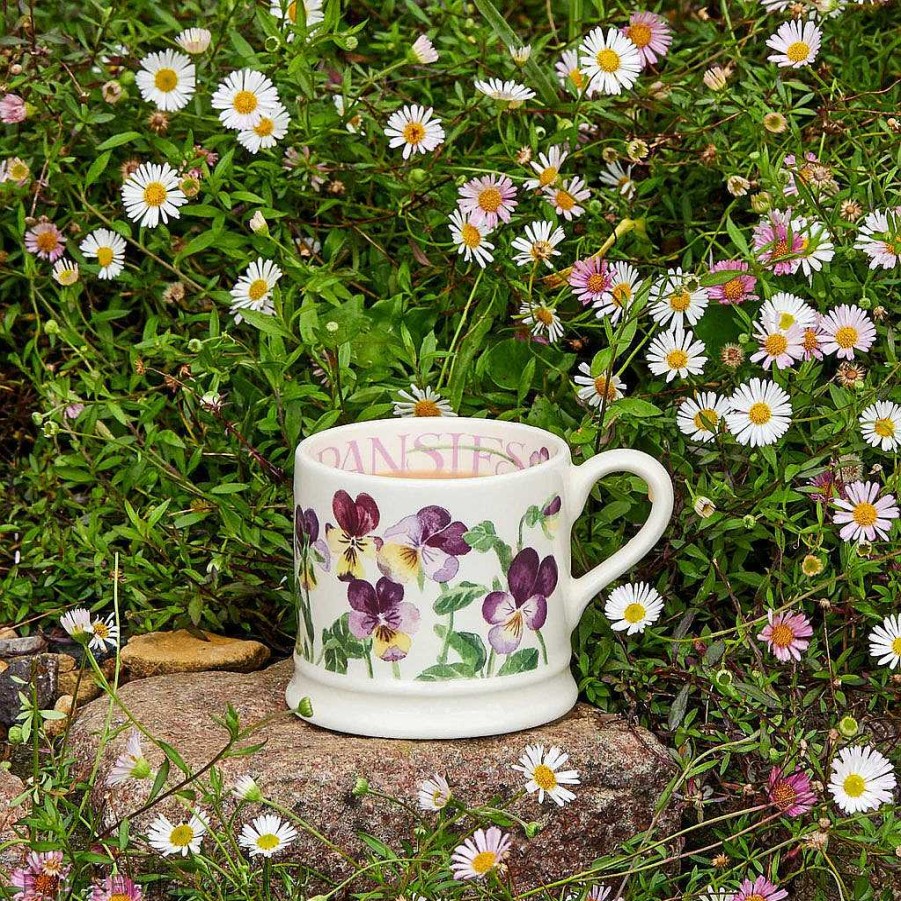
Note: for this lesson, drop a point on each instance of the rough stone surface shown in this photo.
(157, 653)
(13, 646)
(82, 683)
(623, 769)
(39, 670)
(11, 787)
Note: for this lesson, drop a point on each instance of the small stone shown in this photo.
(20, 647)
(64, 705)
(82, 684)
(11, 847)
(158, 653)
(39, 670)
(6, 633)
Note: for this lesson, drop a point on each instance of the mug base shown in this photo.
(459, 709)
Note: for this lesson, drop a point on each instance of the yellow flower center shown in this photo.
(18, 171)
(864, 514)
(264, 127)
(634, 613)
(46, 885)
(811, 342)
(604, 389)
(544, 315)
(784, 796)
(680, 301)
(706, 419)
(798, 51)
(483, 862)
(775, 345)
(490, 200)
(621, 293)
(780, 248)
(544, 777)
(165, 80)
(846, 337)
(548, 176)
(155, 194)
(258, 289)
(577, 78)
(119, 896)
(245, 102)
(786, 320)
(414, 132)
(100, 629)
(884, 428)
(639, 34)
(760, 413)
(268, 842)
(426, 407)
(854, 785)
(782, 635)
(564, 200)
(291, 12)
(470, 235)
(608, 60)
(181, 836)
(541, 250)
(755, 897)
(46, 241)
(896, 646)
(596, 283)
(677, 359)
(105, 256)
(67, 277)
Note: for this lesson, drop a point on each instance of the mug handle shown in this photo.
(581, 480)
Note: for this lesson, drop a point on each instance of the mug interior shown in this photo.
(446, 447)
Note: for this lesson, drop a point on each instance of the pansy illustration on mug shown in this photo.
(432, 574)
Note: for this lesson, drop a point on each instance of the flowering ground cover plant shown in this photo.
(674, 227)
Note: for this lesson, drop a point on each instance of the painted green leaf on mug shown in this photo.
(459, 597)
(520, 661)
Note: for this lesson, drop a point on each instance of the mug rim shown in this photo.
(303, 452)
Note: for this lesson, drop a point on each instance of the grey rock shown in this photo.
(19, 647)
(39, 673)
(12, 849)
(623, 769)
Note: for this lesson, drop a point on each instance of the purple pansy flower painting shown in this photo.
(350, 541)
(531, 581)
(425, 545)
(550, 514)
(311, 548)
(381, 613)
(542, 455)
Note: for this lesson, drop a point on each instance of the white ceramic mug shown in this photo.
(433, 584)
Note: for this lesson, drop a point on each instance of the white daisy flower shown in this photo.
(271, 128)
(511, 92)
(702, 417)
(621, 179)
(520, 55)
(624, 281)
(611, 62)
(816, 246)
(542, 320)
(422, 402)
(479, 855)
(543, 773)
(471, 239)
(547, 167)
(846, 329)
(194, 40)
(65, 271)
(423, 51)
(676, 353)
(243, 97)
(104, 632)
(566, 198)
(108, 248)
(570, 75)
(77, 622)
(176, 838)
(782, 347)
(788, 310)
(151, 194)
(253, 290)
(539, 244)
(677, 297)
(796, 44)
(862, 779)
(880, 424)
(414, 128)
(434, 793)
(313, 14)
(246, 789)
(760, 413)
(167, 79)
(266, 835)
(130, 764)
(631, 608)
(599, 389)
(880, 238)
(885, 642)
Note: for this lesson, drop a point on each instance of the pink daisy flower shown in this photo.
(777, 244)
(589, 280)
(488, 199)
(12, 109)
(845, 329)
(45, 240)
(761, 889)
(815, 175)
(566, 199)
(811, 341)
(779, 347)
(791, 794)
(786, 635)
(863, 515)
(481, 854)
(42, 878)
(738, 289)
(116, 888)
(830, 484)
(651, 34)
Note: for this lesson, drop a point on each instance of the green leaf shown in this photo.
(441, 672)
(458, 598)
(97, 168)
(468, 646)
(119, 139)
(483, 538)
(680, 705)
(520, 661)
(635, 406)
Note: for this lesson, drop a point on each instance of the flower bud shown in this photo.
(848, 726)
(195, 345)
(361, 787)
(258, 224)
(305, 707)
(704, 507)
(532, 829)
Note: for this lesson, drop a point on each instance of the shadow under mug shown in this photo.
(432, 574)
